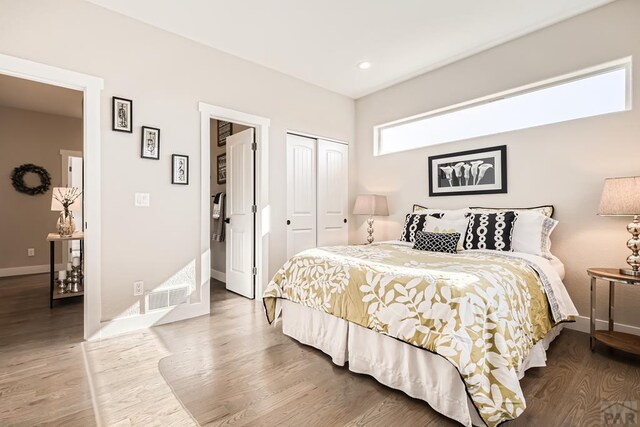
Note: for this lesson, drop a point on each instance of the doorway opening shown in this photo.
(87, 88)
(41, 138)
(234, 233)
(233, 206)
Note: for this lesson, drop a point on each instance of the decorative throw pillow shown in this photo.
(444, 225)
(436, 242)
(414, 222)
(532, 232)
(546, 210)
(490, 230)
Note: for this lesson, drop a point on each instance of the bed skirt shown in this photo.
(417, 372)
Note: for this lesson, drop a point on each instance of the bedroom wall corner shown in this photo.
(563, 164)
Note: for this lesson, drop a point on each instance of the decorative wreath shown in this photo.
(17, 179)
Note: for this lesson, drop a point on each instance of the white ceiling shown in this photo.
(40, 97)
(322, 41)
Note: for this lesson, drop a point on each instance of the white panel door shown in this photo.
(301, 194)
(239, 231)
(333, 175)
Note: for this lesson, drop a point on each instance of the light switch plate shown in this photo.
(142, 200)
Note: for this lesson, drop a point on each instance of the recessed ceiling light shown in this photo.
(364, 65)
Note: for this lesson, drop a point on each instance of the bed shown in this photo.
(455, 330)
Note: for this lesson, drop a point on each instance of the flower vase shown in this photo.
(66, 226)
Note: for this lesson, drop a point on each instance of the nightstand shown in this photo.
(618, 340)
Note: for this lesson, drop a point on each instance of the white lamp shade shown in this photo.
(371, 204)
(57, 206)
(620, 197)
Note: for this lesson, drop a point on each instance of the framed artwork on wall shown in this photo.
(482, 171)
(222, 168)
(122, 111)
(150, 143)
(180, 169)
(225, 129)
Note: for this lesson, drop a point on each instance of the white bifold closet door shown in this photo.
(301, 194)
(317, 198)
(332, 187)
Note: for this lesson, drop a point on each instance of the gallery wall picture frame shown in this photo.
(222, 168)
(481, 171)
(179, 169)
(150, 143)
(225, 129)
(122, 114)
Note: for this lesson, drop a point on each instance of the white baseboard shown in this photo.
(123, 325)
(218, 275)
(30, 269)
(583, 324)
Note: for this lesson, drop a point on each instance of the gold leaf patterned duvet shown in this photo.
(481, 311)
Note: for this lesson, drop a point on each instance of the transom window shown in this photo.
(598, 90)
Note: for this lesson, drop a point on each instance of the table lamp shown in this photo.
(371, 204)
(66, 200)
(621, 197)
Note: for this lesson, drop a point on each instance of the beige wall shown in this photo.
(30, 137)
(218, 249)
(166, 76)
(563, 164)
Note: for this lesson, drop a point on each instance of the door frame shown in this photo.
(91, 87)
(64, 160)
(262, 219)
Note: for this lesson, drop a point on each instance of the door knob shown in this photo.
(288, 222)
(345, 220)
(227, 220)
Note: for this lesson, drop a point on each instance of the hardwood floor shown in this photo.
(232, 368)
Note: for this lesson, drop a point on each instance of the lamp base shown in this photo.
(370, 229)
(630, 272)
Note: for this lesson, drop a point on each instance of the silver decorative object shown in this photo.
(62, 286)
(634, 245)
(74, 281)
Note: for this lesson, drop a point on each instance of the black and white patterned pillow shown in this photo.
(490, 230)
(413, 223)
(436, 242)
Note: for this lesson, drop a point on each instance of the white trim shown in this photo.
(147, 320)
(617, 64)
(310, 135)
(91, 87)
(29, 269)
(262, 232)
(64, 164)
(219, 276)
(583, 324)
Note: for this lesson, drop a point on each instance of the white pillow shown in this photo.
(444, 225)
(532, 234)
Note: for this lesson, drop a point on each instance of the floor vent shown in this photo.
(163, 299)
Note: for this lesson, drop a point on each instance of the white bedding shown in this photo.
(415, 371)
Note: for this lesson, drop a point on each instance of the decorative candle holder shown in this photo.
(62, 286)
(74, 281)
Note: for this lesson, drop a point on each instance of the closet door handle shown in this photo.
(227, 220)
(345, 220)
(288, 222)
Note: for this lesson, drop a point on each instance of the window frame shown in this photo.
(618, 64)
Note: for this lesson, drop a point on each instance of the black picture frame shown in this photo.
(175, 164)
(459, 185)
(145, 141)
(224, 129)
(222, 168)
(118, 115)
